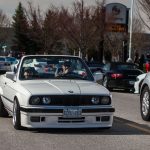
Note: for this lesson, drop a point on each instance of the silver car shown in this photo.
(145, 98)
(45, 100)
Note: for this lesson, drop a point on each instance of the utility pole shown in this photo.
(131, 24)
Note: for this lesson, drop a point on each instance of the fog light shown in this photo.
(97, 118)
(35, 119)
(105, 118)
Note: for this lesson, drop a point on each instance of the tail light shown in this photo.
(116, 75)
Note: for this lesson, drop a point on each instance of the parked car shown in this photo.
(97, 70)
(4, 66)
(138, 83)
(145, 98)
(120, 75)
(42, 100)
(11, 60)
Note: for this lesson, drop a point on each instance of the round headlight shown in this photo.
(35, 100)
(95, 100)
(105, 100)
(46, 100)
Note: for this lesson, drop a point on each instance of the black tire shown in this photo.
(3, 112)
(16, 115)
(145, 104)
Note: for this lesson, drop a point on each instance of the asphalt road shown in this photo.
(129, 132)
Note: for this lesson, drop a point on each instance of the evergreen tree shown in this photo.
(21, 30)
(36, 37)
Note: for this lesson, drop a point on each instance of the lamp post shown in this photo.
(131, 22)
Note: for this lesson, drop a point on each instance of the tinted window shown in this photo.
(124, 66)
(2, 59)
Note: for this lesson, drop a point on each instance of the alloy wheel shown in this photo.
(145, 103)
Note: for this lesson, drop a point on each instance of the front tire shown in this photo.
(145, 104)
(3, 112)
(16, 115)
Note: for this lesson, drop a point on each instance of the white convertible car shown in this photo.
(49, 99)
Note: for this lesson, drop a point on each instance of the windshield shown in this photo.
(54, 67)
(124, 67)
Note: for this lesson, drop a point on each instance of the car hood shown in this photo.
(64, 87)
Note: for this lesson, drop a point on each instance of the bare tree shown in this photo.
(4, 21)
(4, 24)
(144, 10)
(51, 30)
(35, 20)
(77, 26)
(138, 36)
(83, 27)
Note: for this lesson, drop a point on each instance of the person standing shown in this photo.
(141, 62)
(136, 59)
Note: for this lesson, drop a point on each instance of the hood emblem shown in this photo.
(70, 91)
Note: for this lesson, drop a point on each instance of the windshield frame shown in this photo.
(57, 57)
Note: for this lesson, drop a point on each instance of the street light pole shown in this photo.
(131, 24)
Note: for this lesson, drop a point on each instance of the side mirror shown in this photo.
(11, 75)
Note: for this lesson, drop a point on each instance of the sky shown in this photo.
(9, 6)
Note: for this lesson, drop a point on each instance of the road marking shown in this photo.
(133, 125)
(139, 128)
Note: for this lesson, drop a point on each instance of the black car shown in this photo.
(120, 75)
(95, 66)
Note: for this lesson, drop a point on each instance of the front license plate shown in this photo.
(71, 112)
(131, 82)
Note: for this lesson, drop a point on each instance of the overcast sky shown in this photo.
(9, 6)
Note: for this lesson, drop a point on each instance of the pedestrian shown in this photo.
(147, 66)
(136, 58)
(141, 62)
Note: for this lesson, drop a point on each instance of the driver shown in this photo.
(66, 69)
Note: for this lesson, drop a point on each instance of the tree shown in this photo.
(144, 10)
(4, 25)
(138, 36)
(99, 25)
(21, 30)
(35, 29)
(51, 30)
(79, 27)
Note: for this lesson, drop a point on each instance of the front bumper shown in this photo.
(91, 117)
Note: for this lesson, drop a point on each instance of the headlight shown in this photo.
(35, 100)
(46, 100)
(105, 100)
(95, 100)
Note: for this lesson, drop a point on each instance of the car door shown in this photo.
(9, 92)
